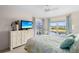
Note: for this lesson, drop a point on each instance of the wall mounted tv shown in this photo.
(26, 24)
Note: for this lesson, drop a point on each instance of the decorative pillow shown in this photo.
(77, 37)
(67, 44)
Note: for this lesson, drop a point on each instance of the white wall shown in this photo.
(75, 22)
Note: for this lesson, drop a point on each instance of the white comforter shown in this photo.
(44, 44)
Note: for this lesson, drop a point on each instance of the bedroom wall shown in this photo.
(9, 14)
(46, 26)
(75, 22)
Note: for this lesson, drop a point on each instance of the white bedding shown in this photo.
(45, 44)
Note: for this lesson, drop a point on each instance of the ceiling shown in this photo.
(40, 10)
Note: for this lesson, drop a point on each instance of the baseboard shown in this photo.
(4, 50)
(8, 49)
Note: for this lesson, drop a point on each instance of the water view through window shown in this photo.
(59, 26)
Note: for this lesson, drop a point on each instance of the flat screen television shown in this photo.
(26, 24)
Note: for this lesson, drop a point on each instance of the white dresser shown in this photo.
(18, 38)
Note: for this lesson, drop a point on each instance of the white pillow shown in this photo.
(77, 37)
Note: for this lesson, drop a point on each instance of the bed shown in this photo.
(45, 44)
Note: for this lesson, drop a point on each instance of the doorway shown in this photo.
(39, 26)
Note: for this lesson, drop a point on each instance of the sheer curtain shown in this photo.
(69, 24)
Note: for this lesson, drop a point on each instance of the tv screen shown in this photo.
(26, 24)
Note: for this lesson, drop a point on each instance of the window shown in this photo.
(57, 27)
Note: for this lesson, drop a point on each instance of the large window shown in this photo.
(57, 27)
